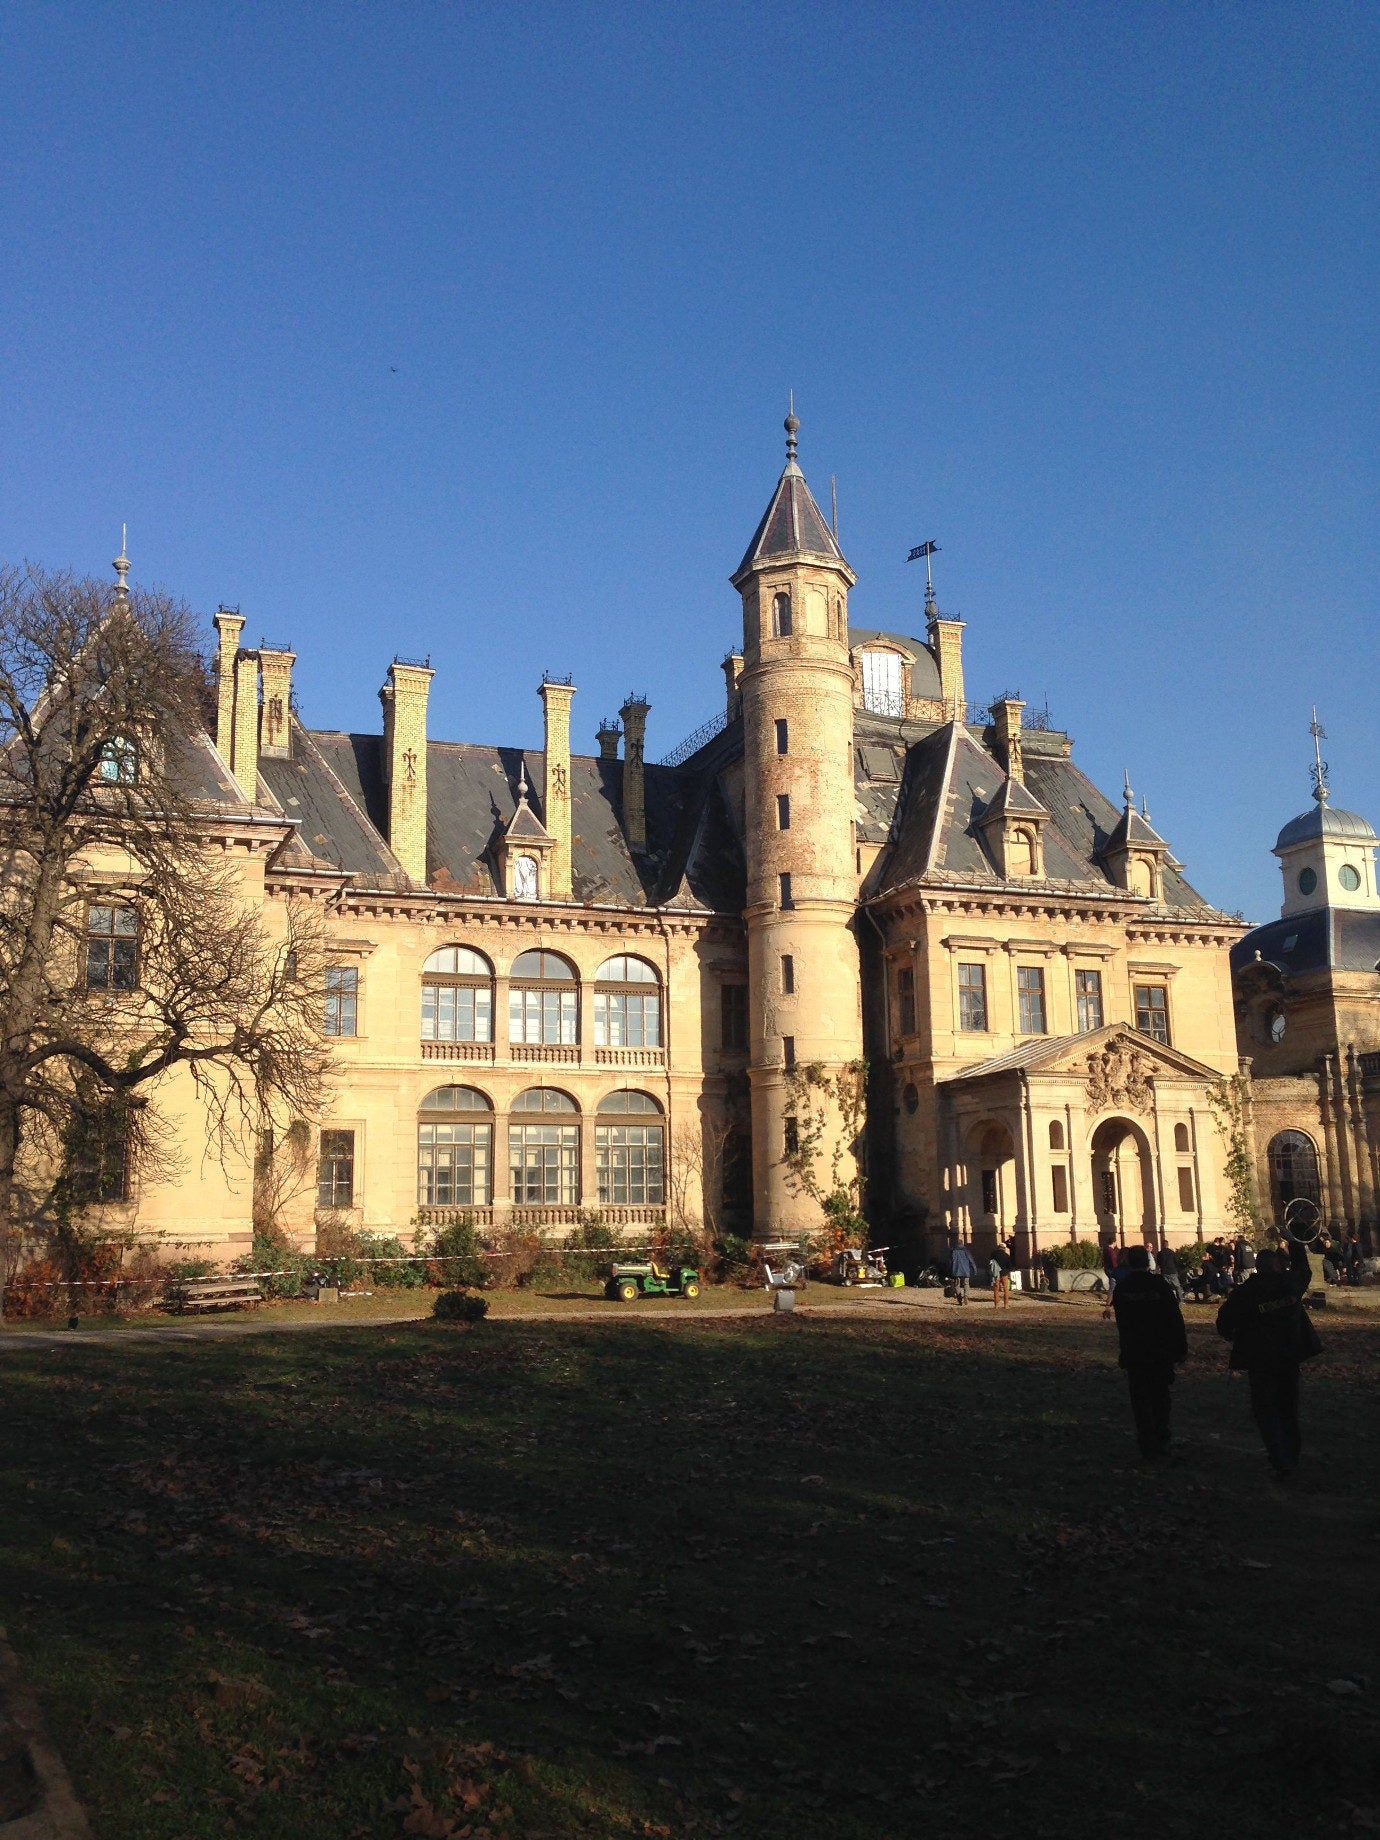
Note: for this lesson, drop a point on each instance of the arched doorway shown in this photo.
(1123, 1183)
(1293, 1171)
(991, 1183)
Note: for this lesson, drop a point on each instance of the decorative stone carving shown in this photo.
(1119, 1076)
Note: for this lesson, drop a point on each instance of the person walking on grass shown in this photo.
(1271, 1335)
(1150, 1331)
(961, 1270)
(999, 1271)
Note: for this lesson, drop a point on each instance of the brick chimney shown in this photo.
(607, 736)
(275, 729)
(634, 714)
(404, 699)
(245, 762)
(733, 670)
(556, 700)
(228, 627)
(1006, 720)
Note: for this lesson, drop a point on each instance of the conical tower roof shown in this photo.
(792, 524)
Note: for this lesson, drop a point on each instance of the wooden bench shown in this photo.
(217, 1293)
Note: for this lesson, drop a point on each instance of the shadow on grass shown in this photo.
(774, 1578)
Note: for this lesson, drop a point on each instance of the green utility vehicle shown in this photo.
(629, 1282)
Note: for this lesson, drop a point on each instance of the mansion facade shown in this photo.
(566, 981)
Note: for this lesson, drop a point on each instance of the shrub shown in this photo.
(405, 1274)
(273, 1252)
(456, 1256)
(1077, 1255)
(736, 1258)
(460, 1306)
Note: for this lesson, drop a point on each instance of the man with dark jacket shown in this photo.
(1150, 1329)
(1271, 1334)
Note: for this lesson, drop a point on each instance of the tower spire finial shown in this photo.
(121, 563)
(1318, 770)
(792, 430)
(522, 782)
(1128, 797)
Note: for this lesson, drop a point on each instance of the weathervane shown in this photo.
(926, 550)
(1318, 770)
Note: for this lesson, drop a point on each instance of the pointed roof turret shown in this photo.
(525, 826)
(1132, 827)
(793, 524)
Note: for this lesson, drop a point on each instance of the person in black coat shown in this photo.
(1271, 1335)
(1150, 1329)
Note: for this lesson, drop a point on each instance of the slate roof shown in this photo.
(334, 787)
(792, 525)
(1326, 939)
(933, 817)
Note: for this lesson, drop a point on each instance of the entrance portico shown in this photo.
(1107, 1136)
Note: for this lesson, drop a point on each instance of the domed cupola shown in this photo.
(1327, 856)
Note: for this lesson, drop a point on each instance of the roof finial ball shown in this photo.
(792, 430)
(1128, 797)
(121, 564)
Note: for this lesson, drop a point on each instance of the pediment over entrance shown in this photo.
(1115, 1065)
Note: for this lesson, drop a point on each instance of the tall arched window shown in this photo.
(1293, 1170)
(1021, 854)
(627, 1004)
(455, 1144)
(1181, 1139)
(543, 1000)
(457, 996)
(544, 1148)
(1056, 1135)
(629, 1150)
(781, 616)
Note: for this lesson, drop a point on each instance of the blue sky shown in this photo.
(467, 330)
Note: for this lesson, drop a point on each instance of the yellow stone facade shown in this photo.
(851, 868)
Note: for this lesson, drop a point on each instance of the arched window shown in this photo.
(1056, 1135)
(1293, 1171)
(543, 1001)
(627, 1004)
(455, 1144)
(883, 683)
(457, 996)
(119, 762)
(781, 616)
(544, 1150)
(1021, 854)
(526, 881)
(1181, 1139)
(629, 1150)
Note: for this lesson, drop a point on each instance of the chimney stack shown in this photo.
(556, 700)
(607, 736)
(245, 763)
(733, 670)
(404, 698)
(634, 714)
(228, 627)
(946, 641)
(1006, 719)
(275, 736)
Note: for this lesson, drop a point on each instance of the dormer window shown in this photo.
(883, 687)
(781, 616)
(118, 761)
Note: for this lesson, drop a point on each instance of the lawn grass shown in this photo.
(771, 1577)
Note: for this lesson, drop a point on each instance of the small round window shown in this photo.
(911, 1097)
(1349, 877)
(1308, 881)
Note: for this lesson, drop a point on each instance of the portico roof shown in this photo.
(1054, 1054)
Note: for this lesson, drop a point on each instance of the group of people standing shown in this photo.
(1264, 1319)
(963, 1270)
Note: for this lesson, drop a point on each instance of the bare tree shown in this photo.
(127, 948)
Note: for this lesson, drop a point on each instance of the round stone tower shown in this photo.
(804, 991)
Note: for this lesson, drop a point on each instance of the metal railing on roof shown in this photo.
(694, 742)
